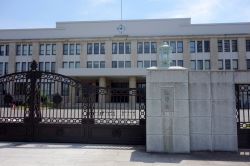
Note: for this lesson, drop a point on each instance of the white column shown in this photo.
(102, 95)
(132, 98)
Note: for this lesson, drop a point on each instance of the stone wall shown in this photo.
(191, 110)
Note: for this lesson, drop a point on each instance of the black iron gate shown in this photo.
(243, 114)
(48, 107)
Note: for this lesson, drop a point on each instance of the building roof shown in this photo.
(133, 28)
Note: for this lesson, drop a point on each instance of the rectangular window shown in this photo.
(207, 64)
(180, 63)
(220, 64)
(78, 49)
(71, 65)
(180, 46)
(139, 64)
(193, 65)
(77, 64)
(89, 64)
(96, 48)
(153, 47)
(128, 64)
(128, 48)
(53, 67)
(146, 64)
(30, 49)
(192, 46)
(47, 66)
(65, 49)
(53, 49)
(146, 47)
(114, 64)
(207, 46)
(120, 64)
(96, 64)
(139, 48)
(41, 50)
(235, 64)
(200, 65)
(173, 46)
(153, 63)
(23, 66)
(102, 48)
(41, 67)
(227, 64)
(121, 48)
(1, 50)
(173, 63)
(25, 50)
(234, 46)
(247, 45)
(248, 64)
(226, 45)
(6, 67)
(199, 46)
(89, 48)
(18, 66)
(65, 65)
(18, 50)
(1, 68)
(102, 64)
(220, 46)
(29, 66)
(48, 49)
(114, 48)
(71, 49)
(7, 50)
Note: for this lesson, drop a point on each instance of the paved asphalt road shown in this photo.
(43, 154)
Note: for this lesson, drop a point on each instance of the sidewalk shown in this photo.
(45, 154)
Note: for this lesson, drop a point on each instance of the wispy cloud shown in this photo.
(199, 11)
(99, 2)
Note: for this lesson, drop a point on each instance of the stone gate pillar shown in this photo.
(167, 111)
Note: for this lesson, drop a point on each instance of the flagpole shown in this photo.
(121, 9)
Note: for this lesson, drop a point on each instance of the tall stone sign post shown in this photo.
(167, 107)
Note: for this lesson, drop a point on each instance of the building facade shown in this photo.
(117, 53)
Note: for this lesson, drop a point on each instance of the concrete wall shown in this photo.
(203, 115)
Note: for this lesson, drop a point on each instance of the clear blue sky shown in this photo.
(45, 13)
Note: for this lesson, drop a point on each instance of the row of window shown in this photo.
(200, 64)
(176, 63)
(4, 50)
(47, 49)
(47, 66)
(24, 49)
(228, 64)
(146, 64)
(71, 64)
(199, 46)
(71, 49)
(95, 64)
(227, 45)
(22, 66)
(3, 68)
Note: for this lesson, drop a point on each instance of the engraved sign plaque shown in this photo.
(167, 100)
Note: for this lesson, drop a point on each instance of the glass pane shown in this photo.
(121, 64)
(154, 63)
(199, 46)
(192, 46)
(180, 63)
(89, 64)
(47, 66)
(96, 64)
(114, 64)
(77, 64)
(53, 49)
(220, 64)
(65, 49)
(102, 64)
(173, 45)
(139, 47)
(89, 48)
(78, 49)
(207, 46)
(153, 47)
(227, 64)
(71, 65)
(128, 48)
(102, 48)
(114, 48)
(48, 49)
(193, 64)
(146, 64)
(139, 64)
(53, 67)
(220, 48)
(180, 47)
(96, 48)
(146, 47)
(207, 64)
(41, 49)
(71, 49)
(200, 65)
(128, 64)
(121, 48)
(25, 49)
(227, 45)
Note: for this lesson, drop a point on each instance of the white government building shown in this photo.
(117, 53)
